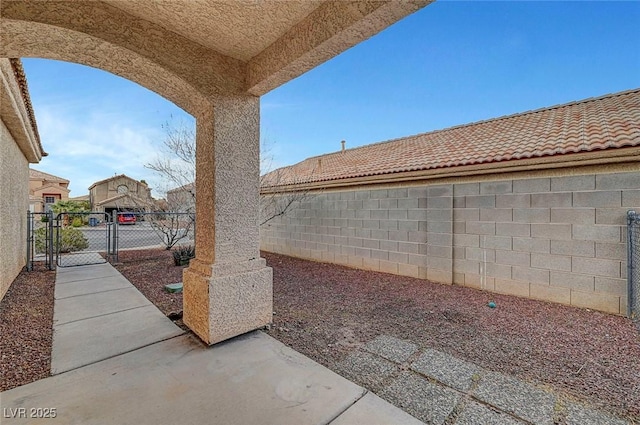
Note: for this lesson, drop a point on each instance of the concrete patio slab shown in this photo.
(391, 348)
(517, 397)
(581, 415)
(372, 410)
(447, 369)
(425, 400)
(91, 286)
(368, 369)
(477, 414)
(97, 304)
(74, 274)
(83, 342)
(252, 379)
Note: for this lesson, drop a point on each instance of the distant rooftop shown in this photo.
(41, 175)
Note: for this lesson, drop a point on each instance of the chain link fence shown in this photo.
(39, 243)
(154, 231)
(82, 238)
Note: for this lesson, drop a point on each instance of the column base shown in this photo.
(223, 301)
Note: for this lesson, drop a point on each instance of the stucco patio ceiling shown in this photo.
(264, 42)
(213, 59)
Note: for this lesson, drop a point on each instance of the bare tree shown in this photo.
(170, 226)
(276, 203)
(176, 165)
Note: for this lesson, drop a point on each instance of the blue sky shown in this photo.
(450, 63)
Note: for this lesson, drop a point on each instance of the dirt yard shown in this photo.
(326, 311)
(26, 328)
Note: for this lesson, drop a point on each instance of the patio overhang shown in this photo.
(213, 59)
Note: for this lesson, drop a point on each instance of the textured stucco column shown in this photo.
(228, 289)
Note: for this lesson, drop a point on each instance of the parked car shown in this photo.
(127, 218)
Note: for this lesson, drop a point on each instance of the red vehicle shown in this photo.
(126, 218)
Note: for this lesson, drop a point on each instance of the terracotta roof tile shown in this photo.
(611, 121)
(21, 78)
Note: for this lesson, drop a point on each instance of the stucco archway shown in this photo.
(168, 48)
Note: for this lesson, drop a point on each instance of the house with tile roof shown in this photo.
(120, 193)
(531, 204)
(19, 146)
(45, 190)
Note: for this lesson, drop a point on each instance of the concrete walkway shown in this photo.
(117, 359)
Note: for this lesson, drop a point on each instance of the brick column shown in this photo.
(227, 287)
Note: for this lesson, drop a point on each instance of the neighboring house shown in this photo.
(45, 190)
(19, 146)
(80, 198)
(532, 204)
(182, 199)
(120, 193)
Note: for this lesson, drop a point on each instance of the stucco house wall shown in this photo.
(14, 178)
(19, 145)
(552, 231)
(182, 199)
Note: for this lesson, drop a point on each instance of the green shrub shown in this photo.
(71, 240)
(77, 222)
(183, 254)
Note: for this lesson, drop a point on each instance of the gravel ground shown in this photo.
(26, 327)
(327, 311)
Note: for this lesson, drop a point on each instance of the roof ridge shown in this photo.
(49, 174)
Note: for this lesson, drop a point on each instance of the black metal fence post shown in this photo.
(49, 239)
(633, 260)
(29, 241)
(114, 230)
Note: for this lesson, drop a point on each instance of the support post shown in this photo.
(228, 288)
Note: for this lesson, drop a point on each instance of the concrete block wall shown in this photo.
(405, 230)
(560, 239)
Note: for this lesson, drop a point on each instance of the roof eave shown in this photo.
(16, 111)
(627, 155)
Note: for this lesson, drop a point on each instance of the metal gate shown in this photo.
(39, 243)
(82, 238)
(633, 264)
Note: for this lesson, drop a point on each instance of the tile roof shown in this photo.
(117, 176)
(610, 121)
(40, 175)
(21, 78)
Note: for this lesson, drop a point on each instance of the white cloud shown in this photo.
(88, 147)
